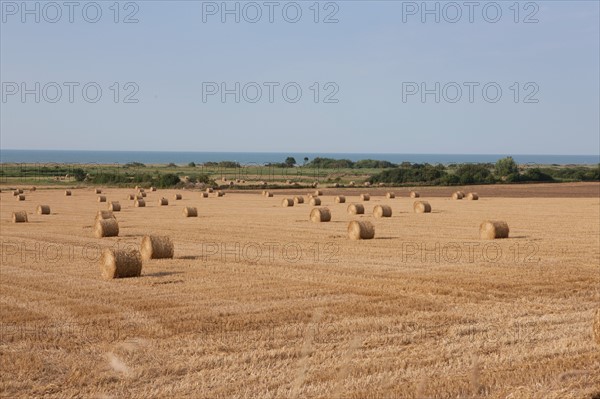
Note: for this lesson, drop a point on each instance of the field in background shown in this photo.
(260, 302)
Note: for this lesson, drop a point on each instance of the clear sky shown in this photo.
(372, 61)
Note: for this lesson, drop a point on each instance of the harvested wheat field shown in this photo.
(260, 302)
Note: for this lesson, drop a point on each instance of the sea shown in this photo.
(261, 158)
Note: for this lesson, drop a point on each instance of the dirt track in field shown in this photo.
(259, 302)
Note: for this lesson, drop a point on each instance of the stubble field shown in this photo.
(259, 302)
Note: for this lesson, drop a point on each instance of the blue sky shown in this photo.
(374, 53)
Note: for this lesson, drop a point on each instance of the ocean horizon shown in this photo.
(261, 158)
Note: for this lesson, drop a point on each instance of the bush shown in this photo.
(536, 175)
(192, 164)
(168, 180)
(506, 166)
(79, 174)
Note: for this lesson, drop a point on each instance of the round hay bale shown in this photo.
(352, 184)
(361, 230)
(177, 197)
(142, 194)
(336, 185)
(320, 215)
(461, 193)
(33, 188)
(97, 191)
(131, 197)
(298, 200)
(356, 209)
(20, 190)
(288, 182)
(67, 193)
(20, 197)
(43, 209)
(287, 202)
(457, 195)
(114, 206)
(381, 184)
(597, 327)
(139, 203)
(264, 193)
(473, 196)
(190, 212)
(491, 229)
(157, 247)
(106, 228)
(163, 201)
(365, 197)
(101, 198)
(219, 193)
(315, 184)
(209, 190)
(152, 188)
(19, 217)
(269, 194)
(138, 197)
(104, 215)
(414, 194)
(390, 195)
(315, 201)
(203, 195)
(421, 207)
(340, 199)
(120, 263)
(382, 211)
(231, 184)
(15, 193)
(317, 193)
(367, 184)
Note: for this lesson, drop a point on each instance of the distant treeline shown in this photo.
(504, 171)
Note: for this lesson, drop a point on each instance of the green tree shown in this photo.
(290, 161)
(192, 164)
(506, 166)
(305, 160)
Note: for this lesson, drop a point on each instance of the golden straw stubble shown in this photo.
(43, 210)
(421, 207)
(382, 211)
(320, 215)
(190, 212)
(106, 228)
(120, 263)
(491, 229)
(597, 327)
(157, 247)
(361, 230)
